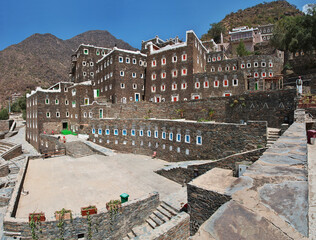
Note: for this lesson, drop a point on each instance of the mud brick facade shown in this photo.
(176, 140)
(120, 76)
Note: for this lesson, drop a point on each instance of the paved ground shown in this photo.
(19, 138)
(312, 190)
(65, 182)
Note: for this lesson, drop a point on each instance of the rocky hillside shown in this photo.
(261, 14)
(43, 59)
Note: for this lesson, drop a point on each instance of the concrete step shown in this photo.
(162, 217)
(169, 208)
(164, 212)
(131, 235)
(151, 223)
(144, 228)
(126, 238)
(156, 219)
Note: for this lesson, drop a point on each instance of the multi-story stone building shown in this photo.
(120, 76)
(163, 71)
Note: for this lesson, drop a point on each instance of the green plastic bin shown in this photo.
(124, 197)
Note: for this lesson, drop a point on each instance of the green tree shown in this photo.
(295, 33)
(214, 32)
(4, 114)
(241, 49)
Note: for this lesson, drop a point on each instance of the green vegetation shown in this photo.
(296, 34)
(4, 114)
(214, 32)
(241, 49)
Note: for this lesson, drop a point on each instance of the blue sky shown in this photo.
(130, 20)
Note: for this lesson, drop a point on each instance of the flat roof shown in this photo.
(72, 183)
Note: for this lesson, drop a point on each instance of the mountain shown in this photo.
(44, 59)
(261, 14)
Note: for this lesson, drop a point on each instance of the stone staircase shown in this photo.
(273, 135)
(5, 146)
(78, 149)
(163, 214)
(16, 163)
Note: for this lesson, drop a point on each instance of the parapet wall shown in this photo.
(275, 107)
(177, 140)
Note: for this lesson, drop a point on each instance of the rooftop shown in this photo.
(72, 183)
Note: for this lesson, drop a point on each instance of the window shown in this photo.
(242, 65)
(197, 85)
(73, 92)
(153, 63)
(187, 138)
(163, 61)
(174, 59)
(219, 58)
(153, 89)
(214, 59)
(140, 62)
(227, 94)
(256, 75)
(100, 131)
(225, 83)
(195, 96)
(216, 83)
(174, 86)
(263, 64)
(98, 52)
(184, 86)
(124, 132)
(255, 64)
(235, 82)
(58, 114)
(163, 135)
(91, 64)
(133, 132)
(84, 74)
(90, 114)
(219, 69)
(153, 76)
(234, 67)
(141, 133)
(134, 61)
(67, 114)
(86, 101)
(227, 68)
(84, 63)
(93, 130)
(115, 132)
(263, 74)
(91, 74)
(134, 86)
(85, 51)
(156, 134)
(184, 72)
(174, 73)
(171, 136)
(122, 73)
(270, 74)
(199, 140)
(134, 75)
(120, 59)
(270, 64)
(47, 101)
(163, 75)
(148, 133)
(178, 137)
(175, 98)
(184, 57)
(122, 85)
(206, 84)
(107, 132)
(85, 115)
(248, 65)
(163, 87)
(128, 60)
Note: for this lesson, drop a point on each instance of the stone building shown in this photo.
(120, 76)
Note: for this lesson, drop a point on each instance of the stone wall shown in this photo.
(140, 136)
(202, 205)
(13, 152)
(102, 225)
(275, 107)
(186, 174)
(5, 125)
